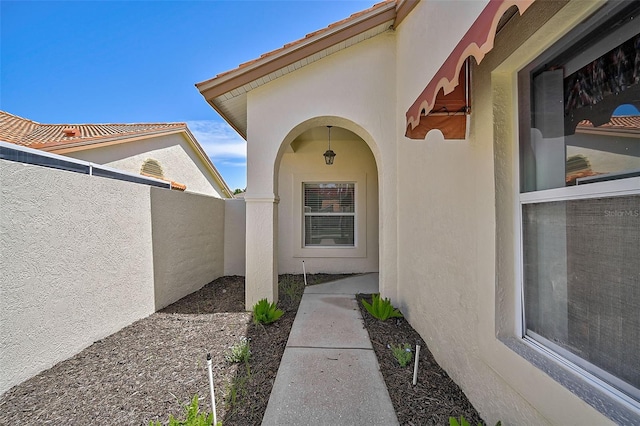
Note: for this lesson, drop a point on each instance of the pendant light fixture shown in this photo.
(329, 155)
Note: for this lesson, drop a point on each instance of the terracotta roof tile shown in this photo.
(630, 122)
(174, 185)
(25, 132)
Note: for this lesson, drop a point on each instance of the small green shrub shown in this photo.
(193, 417)
(463, 422)
(291, 288)
(240, 352)
(265, 312)
(402, 353)
(381, 309)
(237, 389)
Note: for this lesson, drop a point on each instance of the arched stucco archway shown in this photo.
(281, 222)
(332, 233)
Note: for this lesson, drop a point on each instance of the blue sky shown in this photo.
(138, 61)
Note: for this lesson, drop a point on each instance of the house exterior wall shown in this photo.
(77, 264)
(188, 243)
(235, 216)
(179, 161)
(357, 89)
(354, 164)
(84, 256)
(456, 229)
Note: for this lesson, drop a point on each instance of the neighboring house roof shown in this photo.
(65, 138)
(623, 125)
(227, 92)
(55, 137)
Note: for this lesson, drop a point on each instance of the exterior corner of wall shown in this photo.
(235, 230)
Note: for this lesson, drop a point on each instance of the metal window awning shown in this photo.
(445, 103)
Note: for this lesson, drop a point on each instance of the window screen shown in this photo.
(581, 263)
(329, 214)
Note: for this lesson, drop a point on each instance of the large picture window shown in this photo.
(329, 214)
(580, 199)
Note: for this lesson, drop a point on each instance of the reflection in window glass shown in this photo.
(578, 134)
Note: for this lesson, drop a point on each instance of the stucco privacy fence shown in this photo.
(84, 256)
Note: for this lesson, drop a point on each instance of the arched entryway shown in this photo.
(327, 214)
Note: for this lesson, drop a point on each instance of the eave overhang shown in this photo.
(227, 92)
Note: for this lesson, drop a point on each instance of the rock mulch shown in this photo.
(152, 368)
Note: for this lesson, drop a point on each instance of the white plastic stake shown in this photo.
(304, 272)
(415, 366)
(213, 395)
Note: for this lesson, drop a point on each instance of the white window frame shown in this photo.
(330, 214)
(359, 249)
(629, 186)
(611, 188)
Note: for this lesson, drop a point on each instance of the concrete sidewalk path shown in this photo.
(329, 373)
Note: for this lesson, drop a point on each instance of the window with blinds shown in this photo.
(329, 214)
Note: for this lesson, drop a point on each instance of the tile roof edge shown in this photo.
(168, 123)
(335, 28)
(20, 117)
(80, 142)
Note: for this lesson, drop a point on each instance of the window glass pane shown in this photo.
(335, 230)
(329, 210)
(329, 197)
(581, 261)
(584, 110)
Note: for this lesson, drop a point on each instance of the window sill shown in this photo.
(586, 388)
(330, 252)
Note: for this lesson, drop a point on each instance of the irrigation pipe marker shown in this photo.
(415, 366)
(213, 395)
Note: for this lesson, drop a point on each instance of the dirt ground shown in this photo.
(153, 367)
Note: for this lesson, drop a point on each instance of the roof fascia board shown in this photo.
(403, 9)
(215, 87)
(207, 161)
(93, 144)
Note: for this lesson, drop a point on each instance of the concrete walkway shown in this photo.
(329, 373)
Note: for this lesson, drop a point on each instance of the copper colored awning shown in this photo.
(477, 42)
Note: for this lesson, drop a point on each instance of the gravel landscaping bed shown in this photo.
(153, 367)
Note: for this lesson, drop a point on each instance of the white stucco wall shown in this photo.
(456, 239)
(235, 216)
(188, 243)
(179, 161)
(84, 256)
(76, 264)
(357, 92)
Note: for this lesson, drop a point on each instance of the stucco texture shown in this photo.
(188, 243)
(456, 238)
(354, 90)
(235, 228)
(178, 159)
(76, 264)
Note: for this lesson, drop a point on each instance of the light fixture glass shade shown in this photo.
(328, 157)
